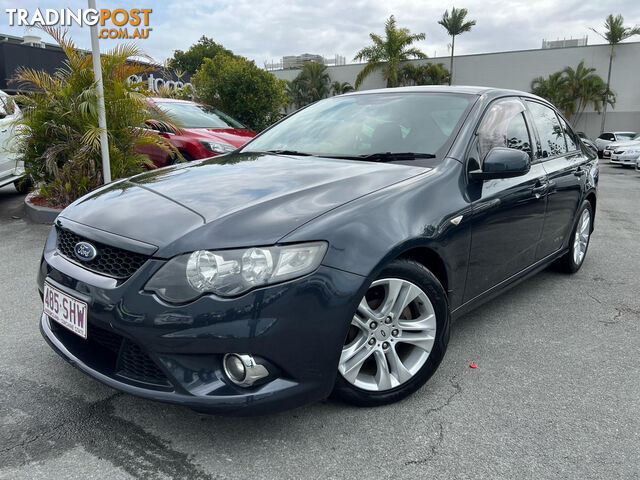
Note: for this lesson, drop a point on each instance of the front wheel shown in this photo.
(23, 185)
(571, 261)
(397, 337)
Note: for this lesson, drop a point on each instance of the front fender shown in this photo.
(366, 234)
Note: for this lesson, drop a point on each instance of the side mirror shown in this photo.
(502, 162)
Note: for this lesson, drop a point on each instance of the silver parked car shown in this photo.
(607, 138)
(11, 171)
(623, 153)
(626, 155)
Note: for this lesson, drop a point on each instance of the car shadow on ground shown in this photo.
(11, 204)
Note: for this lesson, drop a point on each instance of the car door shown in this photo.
(563, 161)
(507, 214)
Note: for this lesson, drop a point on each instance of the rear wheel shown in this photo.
(571, 261)
(397, 338)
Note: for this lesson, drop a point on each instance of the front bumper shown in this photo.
(299, 327)
(622, 159)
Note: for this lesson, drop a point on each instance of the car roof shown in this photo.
(167, 100)
(465, 89)
(622, 133)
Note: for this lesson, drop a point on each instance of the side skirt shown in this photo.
(506, 284)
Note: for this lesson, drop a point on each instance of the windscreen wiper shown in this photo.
(289, 152)
(385, 156)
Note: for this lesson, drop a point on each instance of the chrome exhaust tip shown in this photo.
(243, 369)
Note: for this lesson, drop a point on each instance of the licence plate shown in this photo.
(65, 310)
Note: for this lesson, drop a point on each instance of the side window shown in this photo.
(607, 136)
(549, 130)
(570, 137)
(504, 125)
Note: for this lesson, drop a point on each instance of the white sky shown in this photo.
(266, 30)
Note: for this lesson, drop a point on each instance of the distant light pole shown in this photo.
(102, 118)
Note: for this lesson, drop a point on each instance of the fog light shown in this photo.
(243, 369)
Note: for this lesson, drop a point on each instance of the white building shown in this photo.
(516, 69)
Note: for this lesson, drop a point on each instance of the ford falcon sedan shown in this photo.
(329, 255)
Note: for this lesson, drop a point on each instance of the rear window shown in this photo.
(549, 130)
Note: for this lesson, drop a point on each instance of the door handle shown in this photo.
(3, 131)
(540, 189)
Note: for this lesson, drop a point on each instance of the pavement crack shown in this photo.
(593, 298)
(457, 389)
(620, 311)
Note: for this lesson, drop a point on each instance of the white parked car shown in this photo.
(606, 138)
(11, 171)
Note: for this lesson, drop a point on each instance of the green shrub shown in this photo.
(239, 88)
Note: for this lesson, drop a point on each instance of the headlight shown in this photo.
(227, 273)
(217, 147)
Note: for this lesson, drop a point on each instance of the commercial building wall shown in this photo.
(517, 69)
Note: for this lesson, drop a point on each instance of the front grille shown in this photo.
(113, 355)
(110, 261)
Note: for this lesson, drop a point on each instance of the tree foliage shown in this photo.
(238, 87)
(455, 25)
(191, 60)
(58, 135)
(573, 90)
(426, 74)
(614, 33)
(338, 88)
(310, 85)
(389, 52)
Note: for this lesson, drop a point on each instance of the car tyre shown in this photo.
(23, 185)
(573, 259)
(431, 300)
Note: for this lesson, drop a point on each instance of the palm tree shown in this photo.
(614, 33)
(552, 88)
(315, 80)
(427, 74)
(311, 84)
(338, 88)
(572, 90)
(584, 86)
(455, 25)
(60, 138)
(388, 53)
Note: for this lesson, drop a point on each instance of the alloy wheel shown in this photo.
(581, 237)
(390, 337)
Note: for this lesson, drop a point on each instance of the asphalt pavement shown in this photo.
(556, 391)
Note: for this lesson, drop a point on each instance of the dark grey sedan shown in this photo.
(329, 254)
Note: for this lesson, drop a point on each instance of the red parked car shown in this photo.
(203, 131)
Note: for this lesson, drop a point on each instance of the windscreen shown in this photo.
(368, 124)
(626, 136)
(193, 115)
